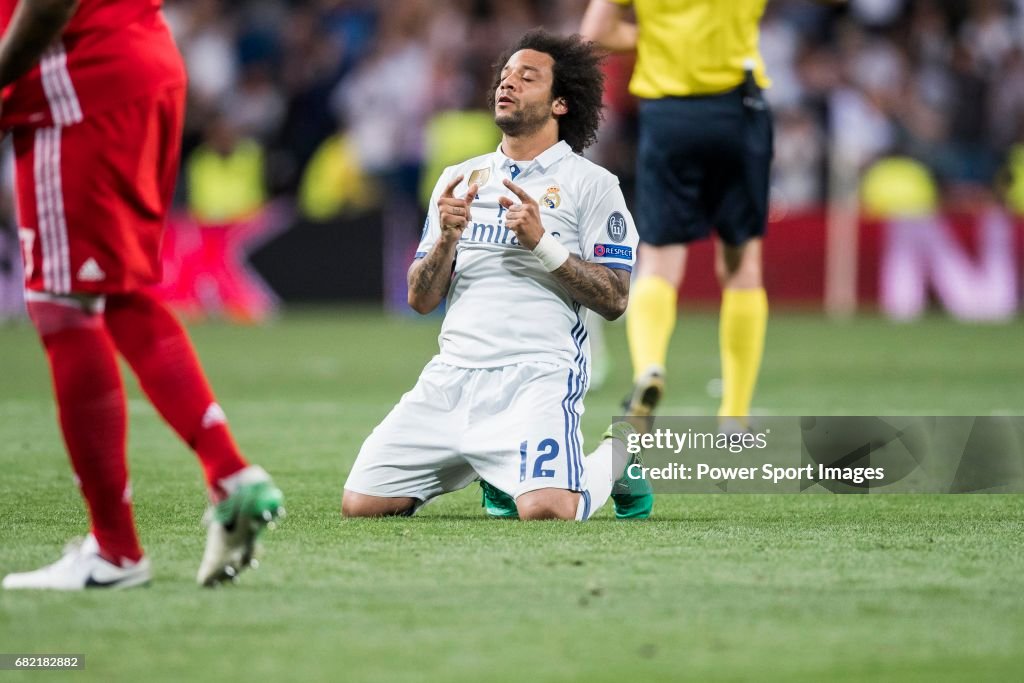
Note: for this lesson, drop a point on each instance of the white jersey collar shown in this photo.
(544, 160)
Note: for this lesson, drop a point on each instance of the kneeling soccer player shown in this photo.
(520, 241)
(96, 106)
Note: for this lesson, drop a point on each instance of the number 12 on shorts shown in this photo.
(547, 450)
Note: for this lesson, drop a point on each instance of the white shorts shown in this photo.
(517, 427)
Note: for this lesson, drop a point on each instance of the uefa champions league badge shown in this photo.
(551, 199)
(617, 227)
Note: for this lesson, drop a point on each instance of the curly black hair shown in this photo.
(577, 79)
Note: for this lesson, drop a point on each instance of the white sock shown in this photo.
(253, 474)
(599, 468)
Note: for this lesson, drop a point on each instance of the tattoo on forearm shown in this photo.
(432, 274)
(599, 288)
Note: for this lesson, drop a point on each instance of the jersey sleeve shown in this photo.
(607, 233)
(432, 223)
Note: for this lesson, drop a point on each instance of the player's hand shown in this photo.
(523, 217)
(454, 210)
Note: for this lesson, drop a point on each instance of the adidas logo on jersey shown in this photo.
(90, 272)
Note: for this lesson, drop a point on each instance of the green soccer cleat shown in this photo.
(235, 526)
(633, 498)
(497, 503)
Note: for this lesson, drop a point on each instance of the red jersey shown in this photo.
(110, 53)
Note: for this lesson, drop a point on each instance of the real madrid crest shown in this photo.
(551, 199)
(480, 177)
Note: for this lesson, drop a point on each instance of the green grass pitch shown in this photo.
(716, 588)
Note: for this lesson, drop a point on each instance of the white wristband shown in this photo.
(550, 252)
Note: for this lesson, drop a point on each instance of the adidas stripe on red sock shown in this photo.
(159, 351)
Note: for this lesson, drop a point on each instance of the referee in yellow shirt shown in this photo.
(703, 162)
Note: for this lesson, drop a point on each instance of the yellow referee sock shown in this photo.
(741, 338)
(650, 320)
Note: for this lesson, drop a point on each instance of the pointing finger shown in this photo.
(518, 191)
(450, 190)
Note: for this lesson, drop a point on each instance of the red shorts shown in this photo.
(93, 196)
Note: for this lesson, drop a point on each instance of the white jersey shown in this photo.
(503, 306)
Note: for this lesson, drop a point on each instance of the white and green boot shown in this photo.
(235, 524)
(633, 498)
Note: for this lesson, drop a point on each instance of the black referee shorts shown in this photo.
(703, 162)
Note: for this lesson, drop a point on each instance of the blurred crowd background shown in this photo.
(352, 107)
(379, 85)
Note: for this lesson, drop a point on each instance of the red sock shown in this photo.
(91, 404)
(160, 353)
